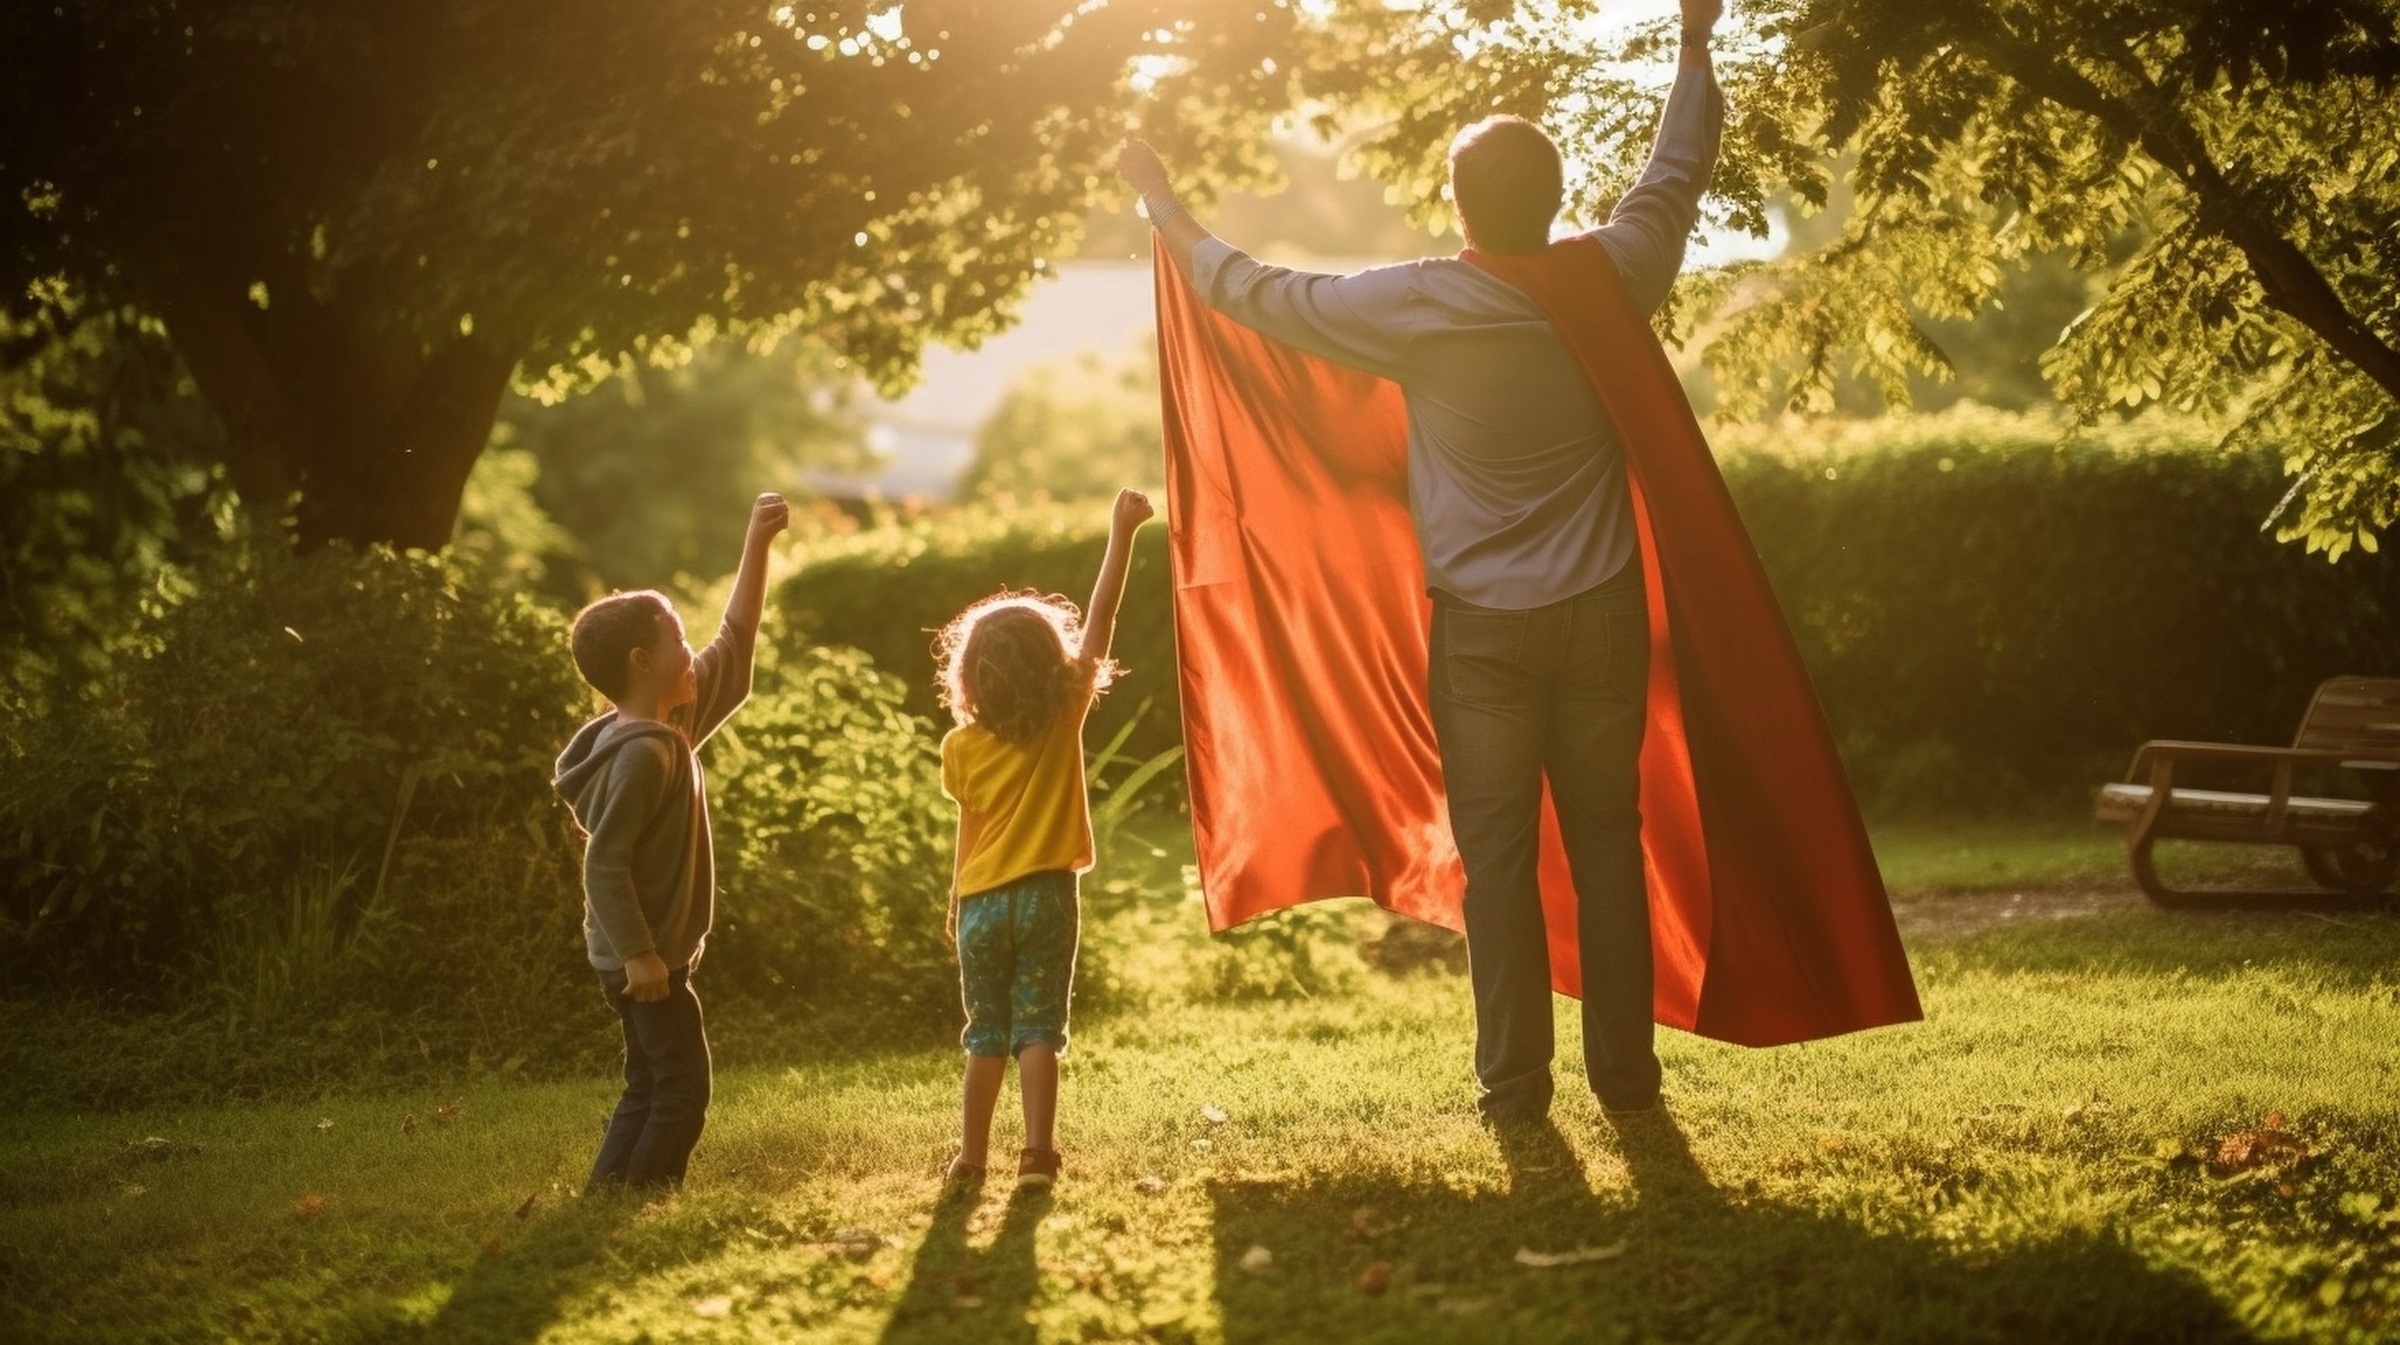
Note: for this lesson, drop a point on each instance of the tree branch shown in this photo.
(2145, 116)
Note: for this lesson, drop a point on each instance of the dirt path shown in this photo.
(1937, 917)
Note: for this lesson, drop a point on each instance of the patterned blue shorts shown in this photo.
(1016, 963)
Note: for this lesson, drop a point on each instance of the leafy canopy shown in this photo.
(2244, 153)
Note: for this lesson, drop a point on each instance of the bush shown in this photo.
(889, 588)
(1991, 616)
(1992, 619)
(833, 844)
(306, 832)
(294, 720)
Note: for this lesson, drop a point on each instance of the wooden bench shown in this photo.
(2349, 845)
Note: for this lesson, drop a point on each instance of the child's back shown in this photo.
(633, 778)
(1020, 677)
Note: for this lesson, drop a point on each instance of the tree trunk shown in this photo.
(373, 431)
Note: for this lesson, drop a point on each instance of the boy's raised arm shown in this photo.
(723, 669)
(1100, 617)
(769, 516)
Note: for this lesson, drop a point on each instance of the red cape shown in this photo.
(1301, 622)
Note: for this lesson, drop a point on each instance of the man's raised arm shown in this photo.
(1646, 233)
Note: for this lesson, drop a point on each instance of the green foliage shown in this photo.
(359, 224)
(284, 720)
(306, 827)
(1071, 430)
(103, 448)
(2244, 149)
(833, 844)
(888, 588)
(1986, 611)
(653, 472)
(1993, 612)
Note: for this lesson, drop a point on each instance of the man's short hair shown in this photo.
(1506, 181)
(607, 632)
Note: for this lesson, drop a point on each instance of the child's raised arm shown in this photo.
(748, 600)
(1100, 617)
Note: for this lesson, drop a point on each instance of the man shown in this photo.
(1518, 491)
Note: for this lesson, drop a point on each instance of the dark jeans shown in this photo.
(658, 1120)
(1517, 695)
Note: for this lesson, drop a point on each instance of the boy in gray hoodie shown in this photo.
(633, 778)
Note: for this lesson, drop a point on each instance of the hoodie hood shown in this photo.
(582, 769)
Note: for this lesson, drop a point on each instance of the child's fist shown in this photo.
(1133, 510)
(770, 515)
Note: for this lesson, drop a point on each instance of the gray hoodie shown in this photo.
(649, 869)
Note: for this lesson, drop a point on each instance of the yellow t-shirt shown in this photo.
(1021, 810)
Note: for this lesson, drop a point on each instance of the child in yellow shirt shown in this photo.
(1018, 672)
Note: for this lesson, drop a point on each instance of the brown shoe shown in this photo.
(1037, 1167)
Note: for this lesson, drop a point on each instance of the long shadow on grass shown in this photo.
(957, 1291)
(518, 1289)
(2355, 949)
(1666, 1256)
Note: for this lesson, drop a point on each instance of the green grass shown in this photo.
(2018, 1167)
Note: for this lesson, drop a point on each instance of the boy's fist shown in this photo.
(1133, 510)
(646, 978)
(770, 515)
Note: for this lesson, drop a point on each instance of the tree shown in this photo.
(653, 472)
(1071, 429)
(2245, 148)
(359, 223)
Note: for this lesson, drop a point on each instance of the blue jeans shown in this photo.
(1557, 691)
(665, 1104)
(1016, 964)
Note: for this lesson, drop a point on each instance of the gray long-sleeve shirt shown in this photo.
(649, 862)
(1516, 475)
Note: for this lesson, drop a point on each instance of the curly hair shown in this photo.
(1009, 663)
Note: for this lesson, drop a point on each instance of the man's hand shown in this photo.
(1132, 511)
(1142, 169)
(646, 979)
(1700, 16)
(769, 516)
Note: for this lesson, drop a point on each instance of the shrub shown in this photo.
(833, 844)
(1990, 615)
(887, 589)
(292, 719)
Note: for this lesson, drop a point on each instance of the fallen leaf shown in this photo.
(1213, 1114)
(1376, 1278)
(1258, 1260)
(325, 1125)
(2269, 1146)
(494, 1247)
(1150, 1186)
(408, 1124)
(713, 1308)
(308, 1207)
(1526, 1256)
(525, 1206)
(858, 1244)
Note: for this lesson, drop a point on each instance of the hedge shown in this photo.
(1994, 612)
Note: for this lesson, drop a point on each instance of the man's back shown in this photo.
(1516, 479)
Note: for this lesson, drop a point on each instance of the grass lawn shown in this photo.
(2128, 1125)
